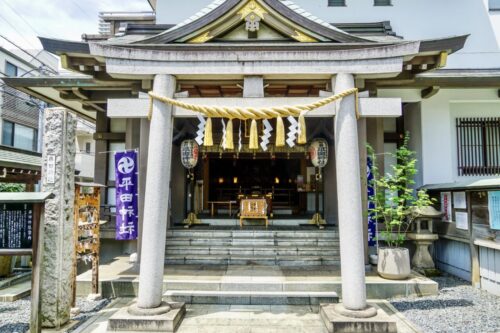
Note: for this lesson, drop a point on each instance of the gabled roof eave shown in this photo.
(182, 30)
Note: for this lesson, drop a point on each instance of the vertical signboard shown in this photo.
(127, 215)
(50, 176)
(372, 221)
(446, 206)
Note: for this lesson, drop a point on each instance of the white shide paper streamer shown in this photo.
(267, 134)
(293, 130)
(223, 142)
(240, 144)
(200, 134)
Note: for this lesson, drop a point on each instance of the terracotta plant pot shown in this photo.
(394, 263)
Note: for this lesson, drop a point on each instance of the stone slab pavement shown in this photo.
(242, 319)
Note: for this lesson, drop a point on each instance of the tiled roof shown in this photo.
(199, 15)
(10, 158)
(289, 4)
(306, 14)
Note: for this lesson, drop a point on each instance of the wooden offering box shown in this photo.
(253, 209)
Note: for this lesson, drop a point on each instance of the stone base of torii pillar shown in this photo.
(353, 314)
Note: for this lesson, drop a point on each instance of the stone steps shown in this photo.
(14, 280)
(252, 242)
(267, 284)
(244, 281)
(181, 259)
(251, 297)
(308, 247)
(15, 292)
(242, 233)
(251, 250)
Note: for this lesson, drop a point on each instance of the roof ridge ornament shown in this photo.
(252, 7)
(252, 13)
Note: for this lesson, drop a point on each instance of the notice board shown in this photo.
(16, 225)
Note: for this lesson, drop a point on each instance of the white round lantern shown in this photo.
(318, 150)
(189, 153)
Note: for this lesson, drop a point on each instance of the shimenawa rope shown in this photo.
(254, 114)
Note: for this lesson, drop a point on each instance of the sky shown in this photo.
(23, 20)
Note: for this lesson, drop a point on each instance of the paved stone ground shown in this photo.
(241, 319)
(459, 308)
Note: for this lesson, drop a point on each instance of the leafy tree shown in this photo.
(396, 203)
(12, 187)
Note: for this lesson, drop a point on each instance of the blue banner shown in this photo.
(372, 222)
(127, 214)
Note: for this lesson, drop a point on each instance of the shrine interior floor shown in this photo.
(119, 278)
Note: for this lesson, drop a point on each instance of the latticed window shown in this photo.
(382, 3)
(336, 3)
(478, 146)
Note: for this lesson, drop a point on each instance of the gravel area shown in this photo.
(459, 308)
(15, 316)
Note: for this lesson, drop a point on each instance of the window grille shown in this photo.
(336, 3)
(478, 146)
(382, 2)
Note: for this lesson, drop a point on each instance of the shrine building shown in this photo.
(250, 116)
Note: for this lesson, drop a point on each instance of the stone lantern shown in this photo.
(423, 237)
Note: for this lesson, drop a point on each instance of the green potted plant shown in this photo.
(396, 205)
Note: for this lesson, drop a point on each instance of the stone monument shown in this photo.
(58, 172)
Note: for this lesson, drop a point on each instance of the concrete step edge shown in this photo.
(249, 247)
(238, 257)
(250, 293)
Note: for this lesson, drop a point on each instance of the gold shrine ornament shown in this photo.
(252, 7)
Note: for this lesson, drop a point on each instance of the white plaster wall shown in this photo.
(22, 66)
(84, 162)
(438, 114)
(412, 121)
(414, 20)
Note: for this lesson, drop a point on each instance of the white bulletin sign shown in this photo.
(459, 201)
(446, 206)
(494, 209)
(50, 176)
(461, 218)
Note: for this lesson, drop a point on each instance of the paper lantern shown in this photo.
(189, 153)
(318, 150)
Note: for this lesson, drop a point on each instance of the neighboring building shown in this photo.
(442, 89)
(85, 150)
(20, 117)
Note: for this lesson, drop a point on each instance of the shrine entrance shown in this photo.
(281, 179)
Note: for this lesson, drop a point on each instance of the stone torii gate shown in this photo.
(354, 66)
(347, 152)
